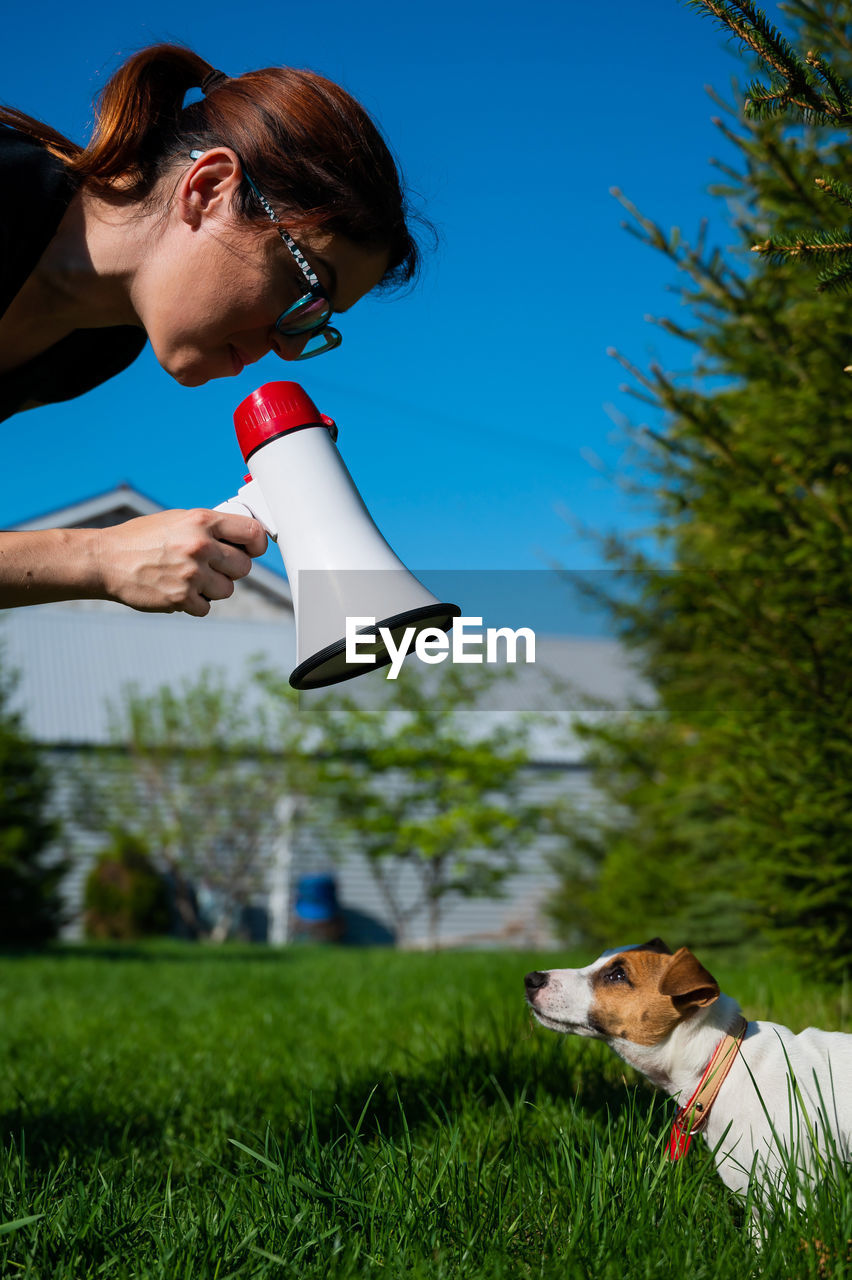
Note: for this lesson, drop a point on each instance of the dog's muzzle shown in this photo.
(533, 982)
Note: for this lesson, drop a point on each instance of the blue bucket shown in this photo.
(316, 898)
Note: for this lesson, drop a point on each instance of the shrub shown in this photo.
(126, 897)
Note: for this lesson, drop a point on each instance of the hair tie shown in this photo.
(212, 81)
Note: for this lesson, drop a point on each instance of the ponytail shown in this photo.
(138, 110)
(310, 147)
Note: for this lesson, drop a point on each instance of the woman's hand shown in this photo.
(178, 561)
(165, 563)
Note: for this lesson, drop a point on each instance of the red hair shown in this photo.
(311, 148)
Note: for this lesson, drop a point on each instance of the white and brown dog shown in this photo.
(768, 1101)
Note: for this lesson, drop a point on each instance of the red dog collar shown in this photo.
(692, 1117)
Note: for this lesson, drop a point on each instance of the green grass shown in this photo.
(185, 1112)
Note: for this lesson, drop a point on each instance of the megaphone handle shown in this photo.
(250, 502)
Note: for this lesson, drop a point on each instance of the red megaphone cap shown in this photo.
(272, 411)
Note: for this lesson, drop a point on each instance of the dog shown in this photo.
(775, 1107)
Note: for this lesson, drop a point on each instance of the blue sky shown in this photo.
(468, 409)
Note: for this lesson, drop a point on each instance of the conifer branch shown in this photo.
(666, 444)
(751, 25)
(838, 87)
(824, 244)
(807, 487)
(693, 336)
(837, 281)
(728, 171)
(640, 377)
(734, 138)
(841, 192)
(626, 389)
(782, 163)
(713, 274)
(808, 85)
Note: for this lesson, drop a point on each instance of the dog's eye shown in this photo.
(615, 975)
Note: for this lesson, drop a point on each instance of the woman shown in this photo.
(220, 230)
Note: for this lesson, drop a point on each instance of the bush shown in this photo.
(30, 903)
(126, 897)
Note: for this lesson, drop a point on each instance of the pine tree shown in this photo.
(30, 905)
(728, 806)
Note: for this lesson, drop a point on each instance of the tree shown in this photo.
(430, 795)
(30, 903)
(196, 776)
(728, 805)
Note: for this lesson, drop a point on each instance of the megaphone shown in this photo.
(341, 570)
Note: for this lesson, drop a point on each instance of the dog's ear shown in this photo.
(688, 982)
(656, 944)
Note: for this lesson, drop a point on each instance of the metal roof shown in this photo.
(95, 511)
(71, 663)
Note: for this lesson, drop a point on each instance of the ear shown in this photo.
(210, 184)
(656, 944)
(688, 982)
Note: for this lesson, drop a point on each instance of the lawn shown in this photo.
(188, 1112)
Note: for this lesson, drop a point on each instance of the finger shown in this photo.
(241, 531)
(197, 605)
(215, 586)
(231, 561)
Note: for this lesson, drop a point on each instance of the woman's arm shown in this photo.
(174, 561)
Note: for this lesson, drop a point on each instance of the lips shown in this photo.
(558, 1024)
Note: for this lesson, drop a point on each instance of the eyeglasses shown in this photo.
(310, 313)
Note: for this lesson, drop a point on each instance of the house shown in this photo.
(75, 658)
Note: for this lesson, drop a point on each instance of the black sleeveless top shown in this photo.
(36, 190)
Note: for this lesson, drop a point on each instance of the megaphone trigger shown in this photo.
(250, 501)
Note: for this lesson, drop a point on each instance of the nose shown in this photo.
(289, 346)
(534, 981)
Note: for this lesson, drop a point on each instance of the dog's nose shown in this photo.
(535, 980)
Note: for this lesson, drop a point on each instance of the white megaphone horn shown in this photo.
(338, 564)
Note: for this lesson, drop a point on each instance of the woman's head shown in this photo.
(214, 294)
(279, 141)
(308, 145)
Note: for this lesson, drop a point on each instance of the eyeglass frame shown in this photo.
(333, 336)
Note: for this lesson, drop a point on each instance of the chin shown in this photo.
(188, 367)
(197, 375)
(188, 375)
